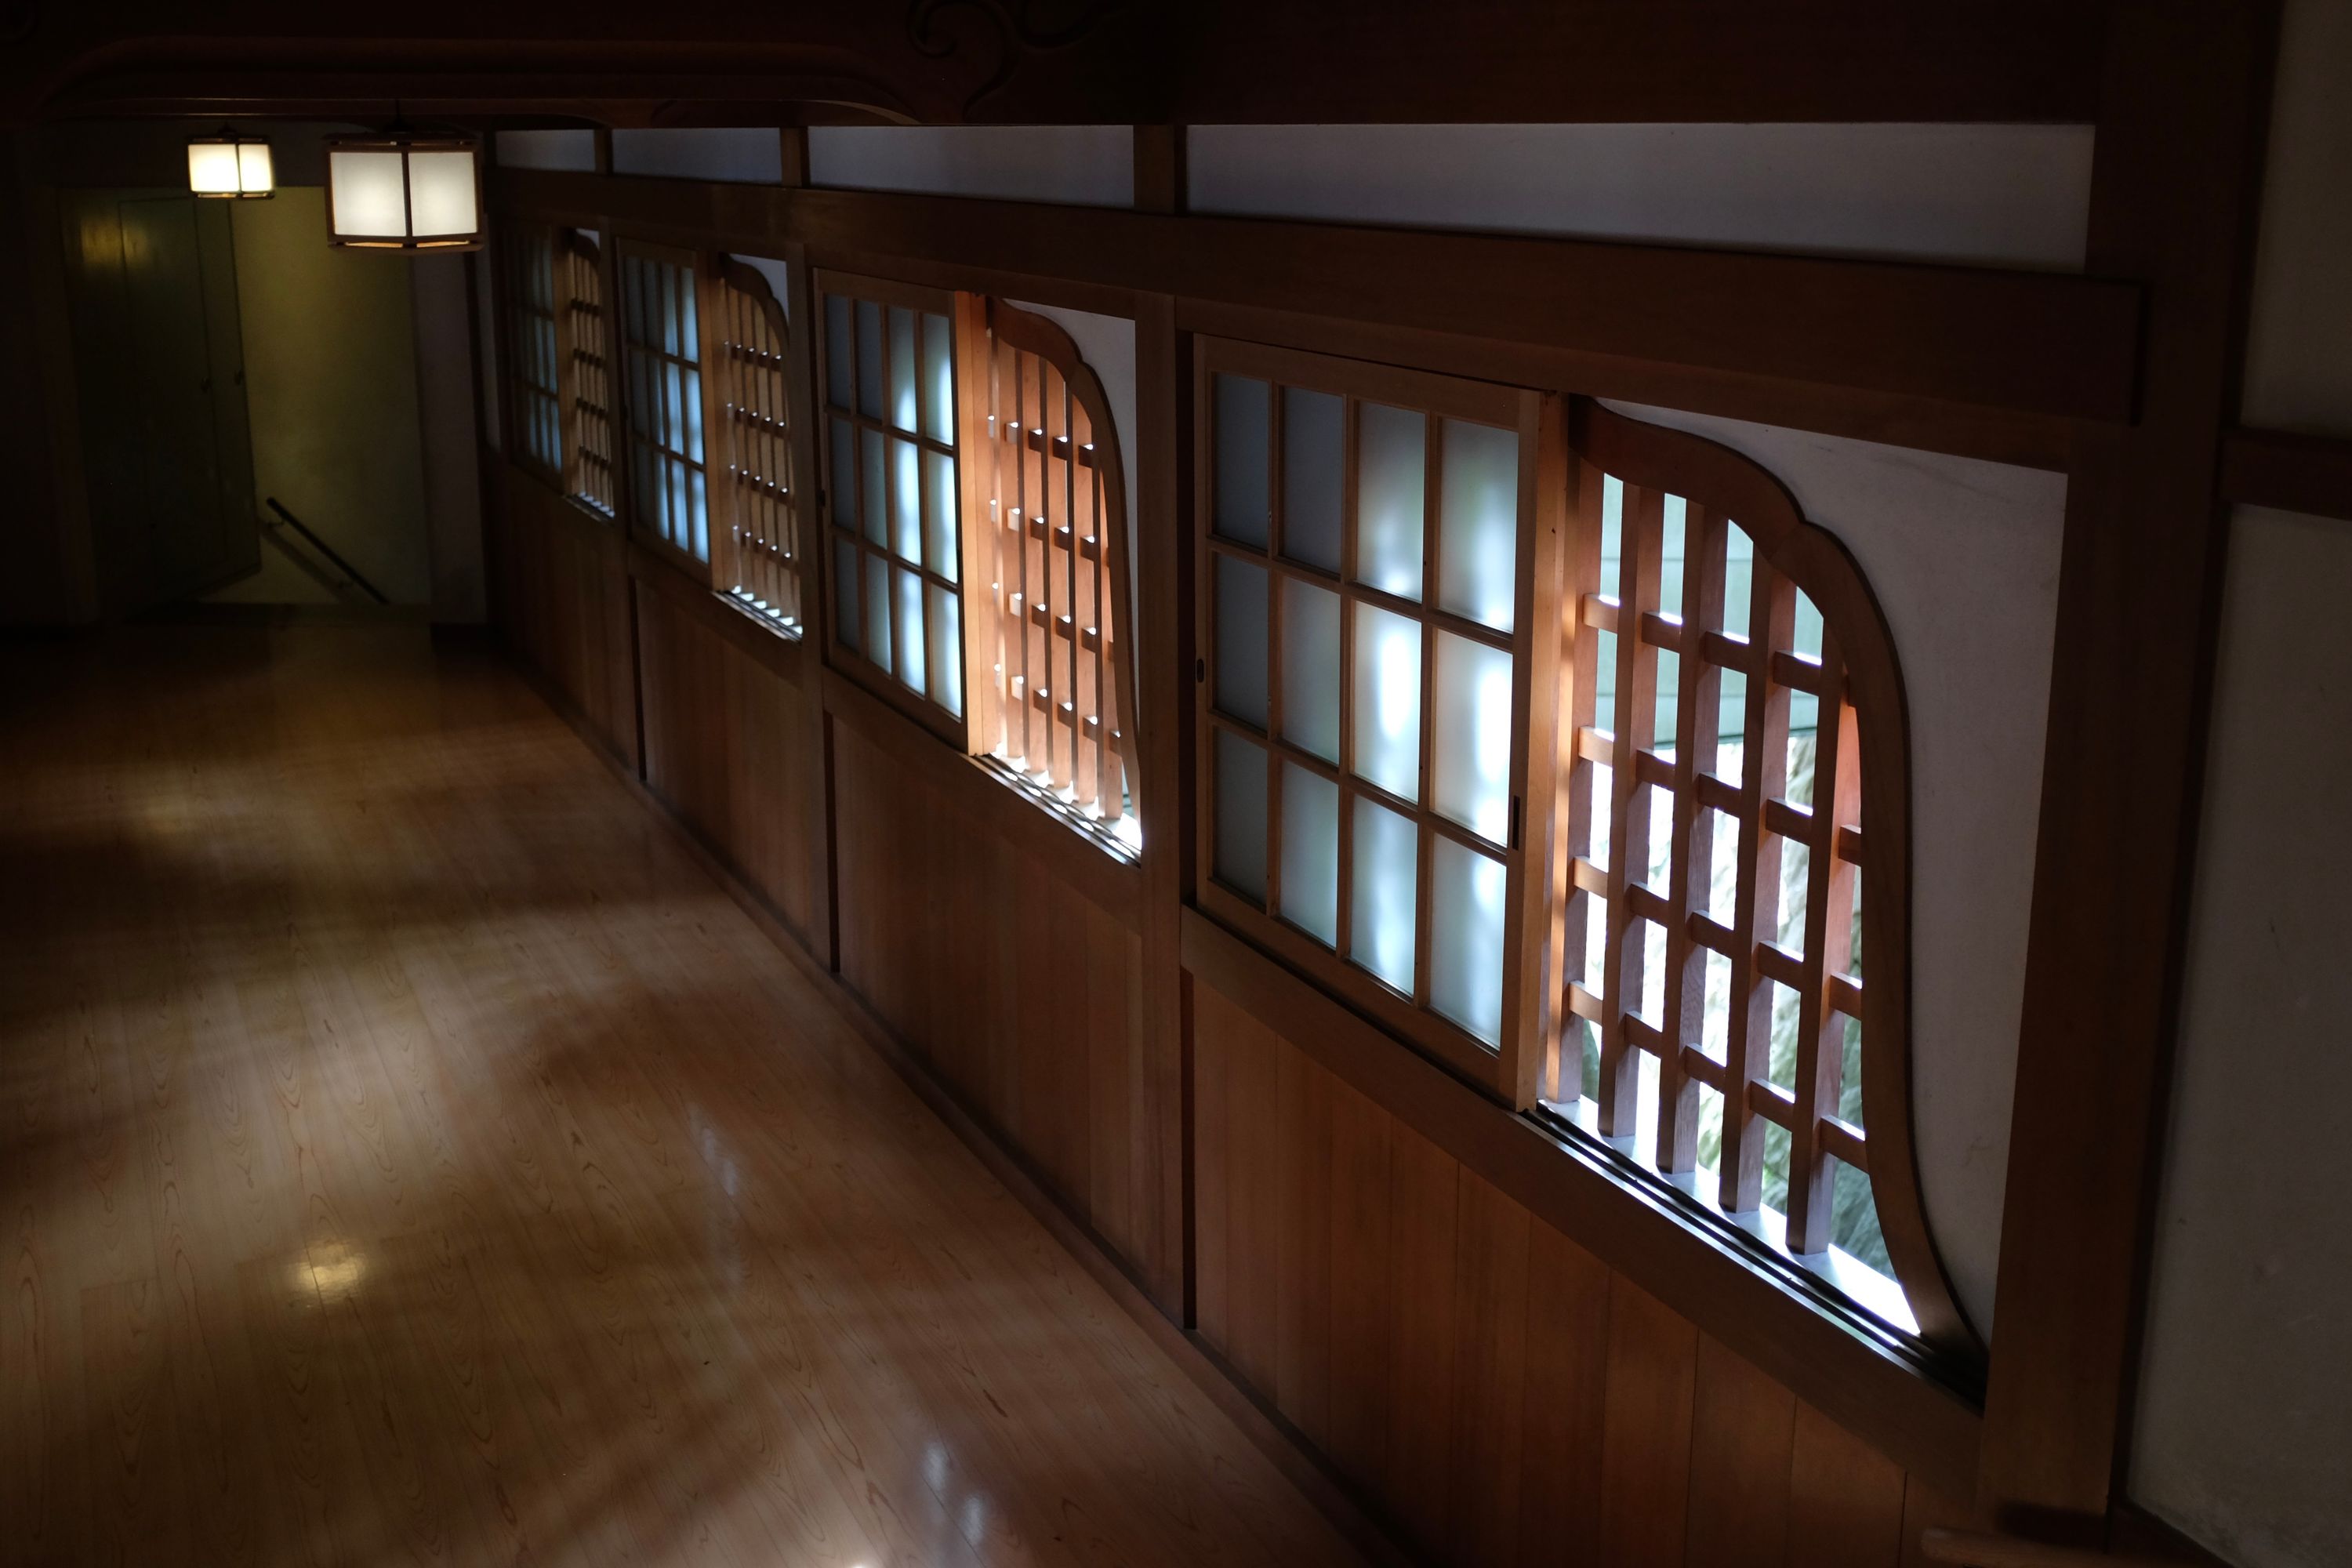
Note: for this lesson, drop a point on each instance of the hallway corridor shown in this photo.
(411, 1155)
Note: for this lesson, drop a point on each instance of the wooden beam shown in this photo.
(1928, 1429)
(2174, 194)
(2038, 347)
(2292, 472)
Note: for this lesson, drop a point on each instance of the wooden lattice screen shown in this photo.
(533, 362)
(588, 368)
(1744, 721)
(758, 559)
(1058, 559)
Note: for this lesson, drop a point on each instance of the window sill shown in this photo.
(1038, 793)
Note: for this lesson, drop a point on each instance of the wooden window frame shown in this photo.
(749, 354)
(1506, 1071)
(964, 313)
(642, 530)
(1073, 586)
(584, 341)
(1861, 774)
(524, 244)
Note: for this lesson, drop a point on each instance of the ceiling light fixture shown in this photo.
(230, 165)
(405, 190)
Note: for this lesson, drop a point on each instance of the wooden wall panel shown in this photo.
(1480, 1381)
(723, 735)
(561, 586)
(1022, 995)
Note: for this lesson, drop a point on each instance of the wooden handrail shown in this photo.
(1978, 1550)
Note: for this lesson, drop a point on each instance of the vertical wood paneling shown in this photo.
(1846, 1499)
(1021, 993)
(1740, 1436)
(1479, 1379)
(562, 593)
(1645, 1453)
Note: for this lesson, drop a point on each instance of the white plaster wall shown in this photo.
(2299, 350)
(752, 156)
(571, 150)
(778, 278)
(2245, 1432)
(2001, 195)
(1087, 165)
(1963, 556)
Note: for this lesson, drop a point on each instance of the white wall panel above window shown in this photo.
(752, 156)
(1087, 165)
(571, 151)
(2009, 196)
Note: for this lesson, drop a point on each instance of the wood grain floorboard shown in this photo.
(409, 1154)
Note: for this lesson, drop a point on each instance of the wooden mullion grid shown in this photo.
(1641, 528)
(758, 557)
(1690, 865)
(669, 280)
(586, 347)
(1756, 907)
(537, 404)
(1508, 1068)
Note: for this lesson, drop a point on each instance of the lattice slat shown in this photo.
(758, 559)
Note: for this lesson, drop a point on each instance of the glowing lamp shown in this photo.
(403, 192)
(230, 165)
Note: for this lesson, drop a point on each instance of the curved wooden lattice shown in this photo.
(588, 372)
(1811, 843)
(1058, 563)
(758, 559)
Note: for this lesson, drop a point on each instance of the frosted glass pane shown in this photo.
(1241, 815)
(902, 367)
(1241, 640)
(844, 591)
(367, 193)
(844, 499)
(255, 169)
(1387, 691)
(664, 278)
(689, 342)
(906, 500)
(1465, 939)
(840, 352)
(673, 409)
(872, 494)
(212, 168)
(1391, 491)
(938, 380)
(947, 650)
(869, 359)
(441, 194)
(1243, 420)
(1310, 854)
(1312, 460)
(1381, 904)
(692, 395)
(701, 515)
(913, 657)
(1311, 668)
(1478, 532)
(939, 514)
(679, 529)
(1470, 752)
(878, 612)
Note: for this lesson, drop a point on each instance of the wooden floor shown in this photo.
(410, 1155)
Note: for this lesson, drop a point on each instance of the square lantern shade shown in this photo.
(230, 165)
(399, 192)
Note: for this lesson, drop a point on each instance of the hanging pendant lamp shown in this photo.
(405, 190)
(230, 165)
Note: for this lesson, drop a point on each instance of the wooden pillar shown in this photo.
(2175, 187)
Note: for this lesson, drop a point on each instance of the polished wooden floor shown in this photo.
(411, 1155)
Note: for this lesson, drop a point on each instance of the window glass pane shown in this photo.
(906, 500)
(1241, 815)
(902, 367)
(1807, 638)
(947, 650)
(869, 359)
(1387, 689)
(844, 591)
(1392, 477)
(938, 380)
(1465, 938)
(1478, 532)
(1738, 579)
(680, 530)
(1310, 853)
(878, 612)
(665, 292)
(692, 394)
(1244, 421)
(871, 491)
(1612, 533)
(701, 512)
(1386, 882)
(840, 354)
(689, 338)
(940, 515)
(1471, 750)
(674, 406)
(1311, 668)
(1676, 514)
(1311, 463)
(913, 657)
(1241, 640)
(844, 500)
